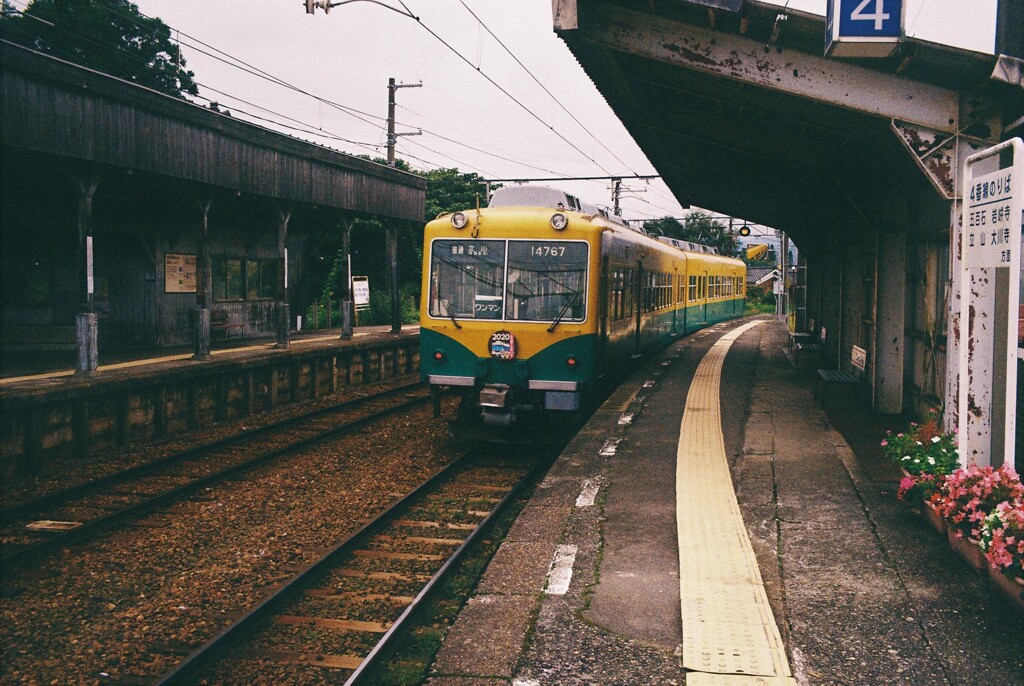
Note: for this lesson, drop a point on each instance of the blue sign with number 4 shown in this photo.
(879, 18)
(863, 28)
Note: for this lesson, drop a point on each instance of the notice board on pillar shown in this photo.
(993, 200)
(179, 273)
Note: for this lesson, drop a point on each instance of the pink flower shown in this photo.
(885, 443)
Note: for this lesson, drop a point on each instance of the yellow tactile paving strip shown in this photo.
(170, 358)
(729, 633)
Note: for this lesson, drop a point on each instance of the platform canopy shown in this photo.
(738, 109)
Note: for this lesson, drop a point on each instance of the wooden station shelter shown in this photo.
(136, 219)
(856, 156)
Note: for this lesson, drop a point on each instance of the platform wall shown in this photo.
(86, 419)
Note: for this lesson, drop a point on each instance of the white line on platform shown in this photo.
(589, 493)
(560, 572)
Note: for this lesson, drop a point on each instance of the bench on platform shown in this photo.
(220, 320)
(837, 388)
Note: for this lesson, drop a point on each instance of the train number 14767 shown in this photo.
(547, 251)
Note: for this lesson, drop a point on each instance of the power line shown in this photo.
(543, 87)
(507, 94)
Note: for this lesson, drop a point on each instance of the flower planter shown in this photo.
(1011, 588)
(934, 519)
(968, 550)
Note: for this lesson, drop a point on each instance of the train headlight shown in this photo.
(559, 221)
(459, 220)
(571, 360)
(438, 356)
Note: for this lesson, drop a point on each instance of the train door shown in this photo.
(638, 302)
(703, 294)
(674, 299)
(604, 293)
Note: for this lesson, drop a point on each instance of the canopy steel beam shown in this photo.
(733, 57)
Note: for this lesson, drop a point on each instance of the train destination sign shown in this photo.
(863, 28)
(992, 212)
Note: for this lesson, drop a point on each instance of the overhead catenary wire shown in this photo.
(501, 88)
(543, 87)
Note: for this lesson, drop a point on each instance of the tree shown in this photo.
(696, 227)
(448, 190)
(110, 36)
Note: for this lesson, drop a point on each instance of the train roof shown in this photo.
(546, 196)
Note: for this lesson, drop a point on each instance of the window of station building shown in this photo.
(239, 280)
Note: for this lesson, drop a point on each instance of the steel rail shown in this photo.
(23, 555)
(209, 651)
(374, 655)
(50, 500)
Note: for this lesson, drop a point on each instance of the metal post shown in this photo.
(86, 334)
(204, 284)
(346, 291)
(283, 310)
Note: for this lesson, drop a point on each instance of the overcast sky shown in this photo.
(347, 56)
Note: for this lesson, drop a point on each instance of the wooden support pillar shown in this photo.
(396, 296)
(204, 284)
(85, 321)
(283, 309)
(347, 308)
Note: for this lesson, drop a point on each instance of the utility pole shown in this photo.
(392, 136)
(616, 192)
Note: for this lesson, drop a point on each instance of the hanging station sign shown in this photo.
(863, 28)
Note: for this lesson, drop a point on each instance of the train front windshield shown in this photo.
(508, 280)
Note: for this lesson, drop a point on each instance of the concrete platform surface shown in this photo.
(861, 590)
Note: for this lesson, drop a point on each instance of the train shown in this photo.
(534, 303)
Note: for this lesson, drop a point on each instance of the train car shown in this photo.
(534, 302)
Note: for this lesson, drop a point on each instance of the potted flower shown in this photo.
(925, 454)
(966, 497)
(922, 489)
(1002, 541)
(923, 448)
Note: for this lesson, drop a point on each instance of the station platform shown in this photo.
(715, 523)
(26, 368)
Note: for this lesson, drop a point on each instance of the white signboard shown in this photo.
(859, 357)
(989, 304)
(991, 213)
(361, 291)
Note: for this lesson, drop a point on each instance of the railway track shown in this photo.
(335, 618)
(41, 526)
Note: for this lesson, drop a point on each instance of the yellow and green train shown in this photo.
(532, 303)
